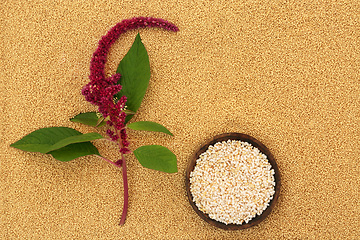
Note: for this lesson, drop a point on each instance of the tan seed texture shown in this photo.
(285, 72)
(232, 182)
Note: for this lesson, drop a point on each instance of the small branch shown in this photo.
(111, 162)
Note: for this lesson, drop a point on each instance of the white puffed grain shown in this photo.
(232, 182)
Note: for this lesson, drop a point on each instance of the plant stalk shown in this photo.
(126, 186)
(126, 192)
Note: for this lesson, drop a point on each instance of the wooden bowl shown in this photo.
(245, 138)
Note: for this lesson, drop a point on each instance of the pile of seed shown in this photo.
(232, 182)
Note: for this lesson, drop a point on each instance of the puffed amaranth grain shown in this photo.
(232, 182)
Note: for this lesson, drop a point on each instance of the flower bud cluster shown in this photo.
(101, 90)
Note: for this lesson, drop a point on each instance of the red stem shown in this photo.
(126, 186)
(125, 181)
(126, 192)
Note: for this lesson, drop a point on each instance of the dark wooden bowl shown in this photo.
(255, 143)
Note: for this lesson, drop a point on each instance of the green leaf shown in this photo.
(42, 139)
(149, 126)
(89, 118)
(73, 151)
(135, 75)
(59, 141)
(156, 157)
(75, 139)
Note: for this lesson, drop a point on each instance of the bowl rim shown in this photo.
(254, 142)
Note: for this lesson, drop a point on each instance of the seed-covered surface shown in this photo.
(286, 73)
(232, 182)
